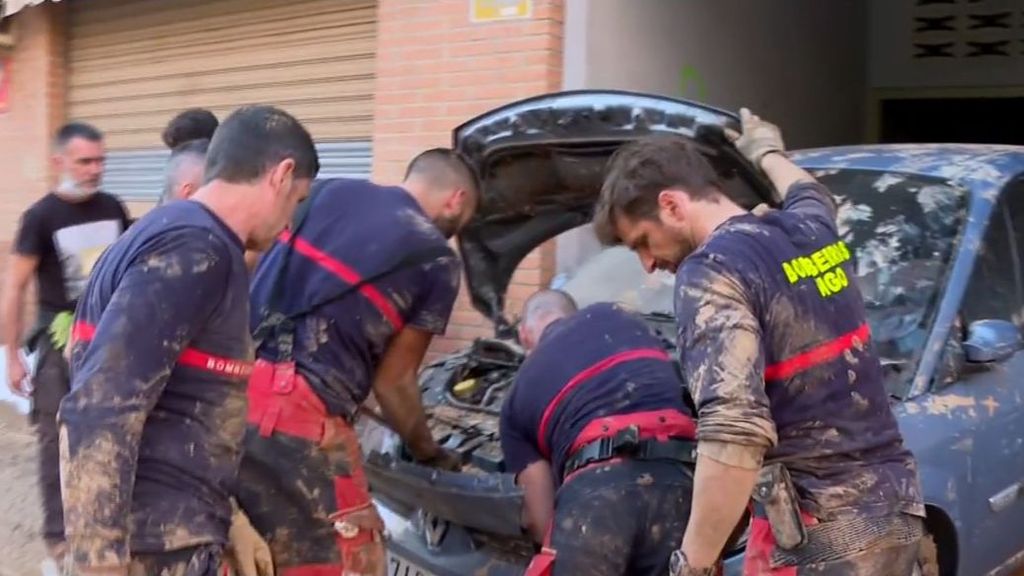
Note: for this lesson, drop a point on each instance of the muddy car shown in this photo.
(937, 233)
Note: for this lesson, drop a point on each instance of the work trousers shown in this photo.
(51, 383)
(301, 481)
(621, 518)
(886, 546)
(194, 561)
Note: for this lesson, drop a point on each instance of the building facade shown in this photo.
(379, 80)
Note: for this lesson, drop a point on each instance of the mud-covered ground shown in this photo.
(21, 550)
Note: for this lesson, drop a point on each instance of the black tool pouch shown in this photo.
(777, 496)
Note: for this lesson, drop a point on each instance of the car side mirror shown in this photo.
(992, 341)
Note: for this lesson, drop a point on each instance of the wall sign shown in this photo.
(5, 84)
(493, 10)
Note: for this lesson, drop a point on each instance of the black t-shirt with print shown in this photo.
(68, 237)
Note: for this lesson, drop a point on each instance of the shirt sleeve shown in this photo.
(31, 238)
(434, 307)
(163, 299)
(812, 199)
(518, 448)
(722, 355)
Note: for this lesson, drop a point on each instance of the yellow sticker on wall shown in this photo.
(493, 10)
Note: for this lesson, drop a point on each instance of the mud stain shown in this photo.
(948, 404)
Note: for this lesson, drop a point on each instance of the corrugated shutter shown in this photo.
(136, 63)
(138, 174)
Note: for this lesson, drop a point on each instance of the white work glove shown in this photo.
(759, 137)
(248, 553)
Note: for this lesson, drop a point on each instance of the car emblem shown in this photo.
(434, 529)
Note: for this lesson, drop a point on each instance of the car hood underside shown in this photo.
(541, 163)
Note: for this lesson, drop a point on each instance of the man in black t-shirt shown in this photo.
(59, 240)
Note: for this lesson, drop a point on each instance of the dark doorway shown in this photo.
(959, 120)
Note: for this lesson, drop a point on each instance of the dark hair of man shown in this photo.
(253, 139)
(444, 168)
(73, 130)
(191, 124)
(640, 170)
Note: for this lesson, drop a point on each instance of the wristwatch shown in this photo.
(679, 566)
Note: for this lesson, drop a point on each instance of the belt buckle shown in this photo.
(626, 441)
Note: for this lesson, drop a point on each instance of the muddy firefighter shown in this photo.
(777, 354)
(345, 304)
(151, 432)
(597, 434)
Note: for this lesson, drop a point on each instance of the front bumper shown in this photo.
(456, 556)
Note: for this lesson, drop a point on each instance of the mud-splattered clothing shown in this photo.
(355, 229)
(621, 519)
(601, 361)
(777, 354)
(195, 561)
(152, 428)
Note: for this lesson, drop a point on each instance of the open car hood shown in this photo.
(541, 165)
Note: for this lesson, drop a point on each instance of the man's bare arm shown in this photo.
(538, 486)
(397, 391)
(19, 273)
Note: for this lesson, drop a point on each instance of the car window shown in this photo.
(902, 229)
(994, 291)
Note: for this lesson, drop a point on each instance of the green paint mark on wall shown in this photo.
(691, 84)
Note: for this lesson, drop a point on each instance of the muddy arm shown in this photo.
(397, 390)
(723, 360)
(160, 303)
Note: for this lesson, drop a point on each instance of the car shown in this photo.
(937, 233)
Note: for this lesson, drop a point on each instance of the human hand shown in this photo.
(248, 553)
(17, 375)
(758, 139)
(443, 460)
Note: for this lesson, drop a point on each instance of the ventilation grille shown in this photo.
(968, 29)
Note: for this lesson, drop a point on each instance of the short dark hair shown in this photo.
(191, 124)
(638, 172)
(444, 167)
(73, 130)
(254, 138)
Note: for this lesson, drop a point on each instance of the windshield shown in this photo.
(901, 228)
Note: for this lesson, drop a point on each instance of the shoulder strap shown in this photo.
(298, 220)
(407, 260)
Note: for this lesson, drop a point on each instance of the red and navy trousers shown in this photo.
(301, 481)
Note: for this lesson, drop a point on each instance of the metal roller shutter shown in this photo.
(134, 64)
(138, 174)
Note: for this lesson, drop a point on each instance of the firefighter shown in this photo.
(777, 353)
(346, 303)
(151, 432)
(597, 434)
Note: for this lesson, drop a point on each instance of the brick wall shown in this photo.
(436, 69)
(35, 110)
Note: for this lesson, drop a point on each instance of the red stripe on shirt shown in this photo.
(816, 356)
(347, 275)
(583, 376)
(84, 332)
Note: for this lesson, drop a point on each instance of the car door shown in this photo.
(983, 410)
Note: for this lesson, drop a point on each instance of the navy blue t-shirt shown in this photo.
(153, 424)
(567, 348)
(355, 229)
(776, 350)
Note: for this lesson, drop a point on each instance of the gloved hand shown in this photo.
(248, 553)
(758, 138)
(444, 460)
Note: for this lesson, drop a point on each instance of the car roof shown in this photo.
(976, 166)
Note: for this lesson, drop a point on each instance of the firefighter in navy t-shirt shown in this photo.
(597, 434)
(347, 303)
(776, 351)
(151, 432)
